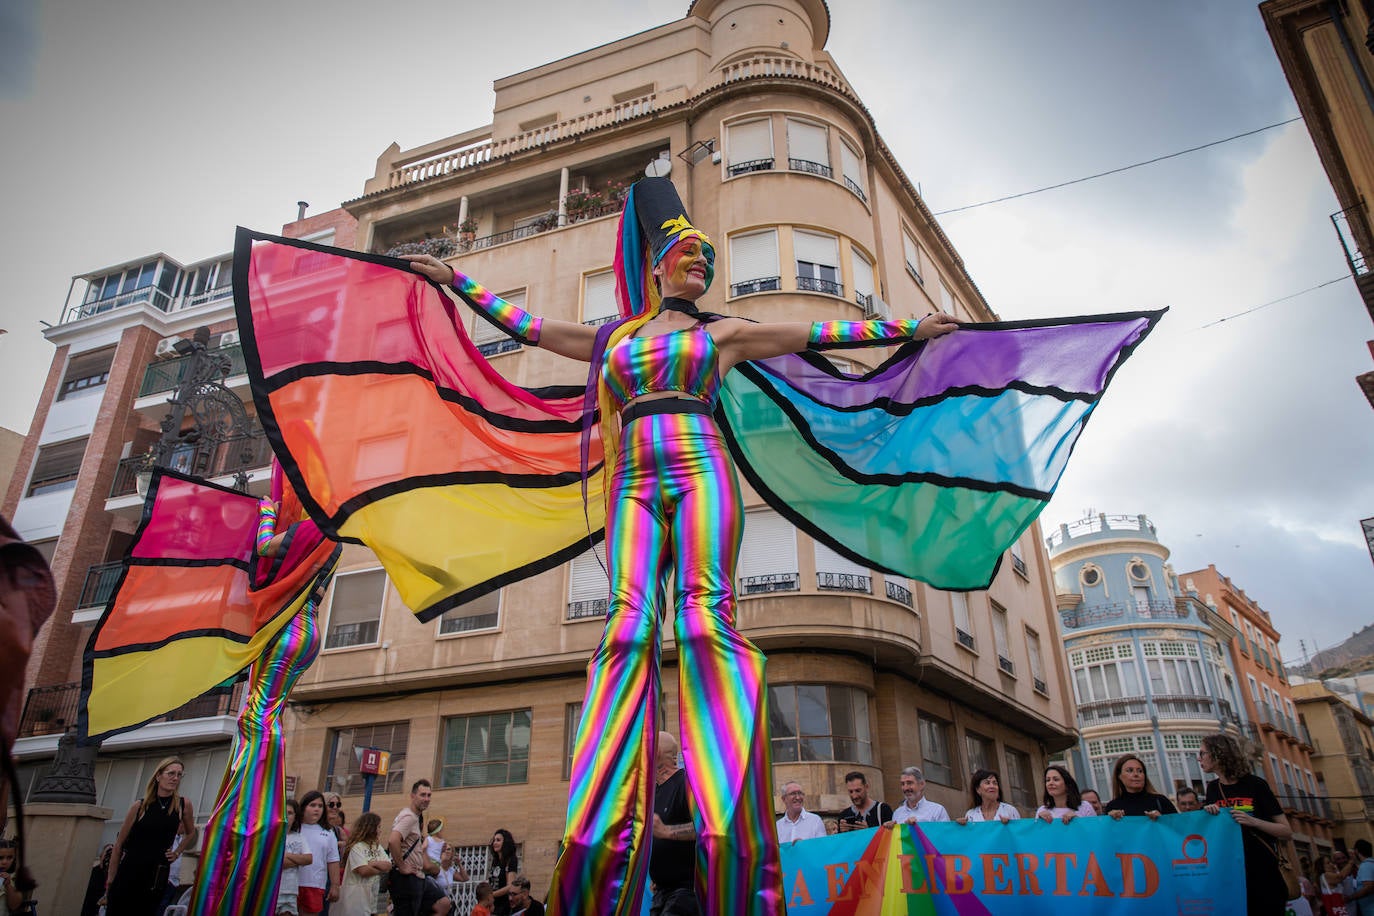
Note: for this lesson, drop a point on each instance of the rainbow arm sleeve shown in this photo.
(830, 335)
(267, 524)
(512, 319)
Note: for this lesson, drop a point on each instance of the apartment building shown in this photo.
(1280, 741)
(776, 157)
(1342, 739)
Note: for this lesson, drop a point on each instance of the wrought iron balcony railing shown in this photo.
(806, 165)
(240, 453)
(1123, 709)
(1041, 686)
(817, 285)
(1093, 615)
(361, 633)
(581, 610)
(468, 623)
(753, 165)
(52, 710)
(493, 347)
(898, 593)
(1005, 664)
(761, 285)
(1354, 254)
(844, 582)
(100, 584)
(166, 375)
(852, 185)
(965, 639)
(773, 582)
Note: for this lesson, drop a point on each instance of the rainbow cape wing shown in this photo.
(931, 465)
(194, 606)
(398, 434)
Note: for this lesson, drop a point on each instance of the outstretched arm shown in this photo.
(566, 338)
(741, 340)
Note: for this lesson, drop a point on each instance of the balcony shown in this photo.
(844, 582)
(1041, 686)
(241, 453)
(1121, 611)
(806, 165)
(1346, 232)
(52, 710)
(585, 610)
(766, 585)
(167, 375)
(753, 165)
(346, 635)
(1019, 566)
(1006, 665)
(495, 347)
(853, 186)
(817, 285)
(899, 593)
(761, 285)
(1184, 707)
(100, 584)
(965, 639)
(1101, 712)
(148, 295)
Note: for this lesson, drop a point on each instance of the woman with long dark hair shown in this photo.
(1062, 798)
(323, 870)
(1135, 795)
(1263, 825)
(505, 865)
(141, 860)
(985, 786)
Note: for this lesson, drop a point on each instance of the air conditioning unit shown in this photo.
(167, 346)
(877, 310)
(228, 338)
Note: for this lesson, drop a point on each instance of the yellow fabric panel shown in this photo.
(438, 541)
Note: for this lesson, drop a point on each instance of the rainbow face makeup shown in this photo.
(678, 261)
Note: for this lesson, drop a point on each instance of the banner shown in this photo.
(1184, 863)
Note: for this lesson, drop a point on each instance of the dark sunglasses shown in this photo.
(335, 804)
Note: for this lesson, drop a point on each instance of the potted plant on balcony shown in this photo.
(467, 232)
(581, 203)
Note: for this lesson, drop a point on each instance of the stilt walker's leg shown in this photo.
(723, 705)
(245, 836)
(602, 867)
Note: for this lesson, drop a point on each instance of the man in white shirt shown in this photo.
(915, 806)
(796, 822)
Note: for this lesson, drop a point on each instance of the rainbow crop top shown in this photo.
(686, 360)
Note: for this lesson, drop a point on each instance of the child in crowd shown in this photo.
(485, 900)
(297, 854)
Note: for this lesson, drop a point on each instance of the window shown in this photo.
(57, 467)
(768, 555)
(588, 588)
(486, 750)
(912, 252)
(750, 146)
(86, 373)
(863, 286)
(963, 626)
(489, 338)
(1018, 561)
(982, 752)
(572, 718)
(1140, 594)
(355, 611)
(1019, 779)
(1090, 575)
(808, 148)
(999, 638)
(482, 613)
(947, 300)
(1103, 674)
(1037, 662)
(598, 298)
(343, 775)
(1102, 757)
(754, 262)
(851, 164)
(819, 722)
(818, 261)
(836, 573)
(1254, 688)
(936, 762)
(1176, 676)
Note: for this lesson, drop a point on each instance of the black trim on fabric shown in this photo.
(455, 478)
(533, 568)
(841, 467)
(371, 367)
(244, 565)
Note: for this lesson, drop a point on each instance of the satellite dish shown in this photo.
(658, 168)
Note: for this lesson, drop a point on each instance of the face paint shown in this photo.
(681, 258)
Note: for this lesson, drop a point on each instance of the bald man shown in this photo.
(673, 850)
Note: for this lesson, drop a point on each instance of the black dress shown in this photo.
(1266, 892)
(141, 878)
(1139, 804)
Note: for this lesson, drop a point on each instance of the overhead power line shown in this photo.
(1124, 168)
(1310, 289)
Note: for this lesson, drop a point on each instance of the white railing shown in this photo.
(408, 170)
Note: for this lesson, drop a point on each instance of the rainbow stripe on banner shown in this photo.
(1182, 863)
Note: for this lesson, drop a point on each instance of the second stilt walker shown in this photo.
(673, 513)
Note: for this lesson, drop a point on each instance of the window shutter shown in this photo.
(863, 274)
(357, 597)
(851, 165)
(484, 332)
(587, 581)
(829, 561)
(913, 254)
(753, 256)
(815, 248)
(598, 299)
(770, 545)
(751, 140)
(807, 142)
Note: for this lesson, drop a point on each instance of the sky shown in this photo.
(154, 125)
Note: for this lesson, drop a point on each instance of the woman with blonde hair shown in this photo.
(154, 832)
(365, 861)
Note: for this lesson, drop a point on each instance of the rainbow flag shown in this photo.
(194, 605)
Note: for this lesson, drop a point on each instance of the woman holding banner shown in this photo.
(1262, 821)
(1134, 793)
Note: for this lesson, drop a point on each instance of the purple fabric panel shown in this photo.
(192, 522)
(1075, 357)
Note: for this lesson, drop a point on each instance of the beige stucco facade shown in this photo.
(1343, 753)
